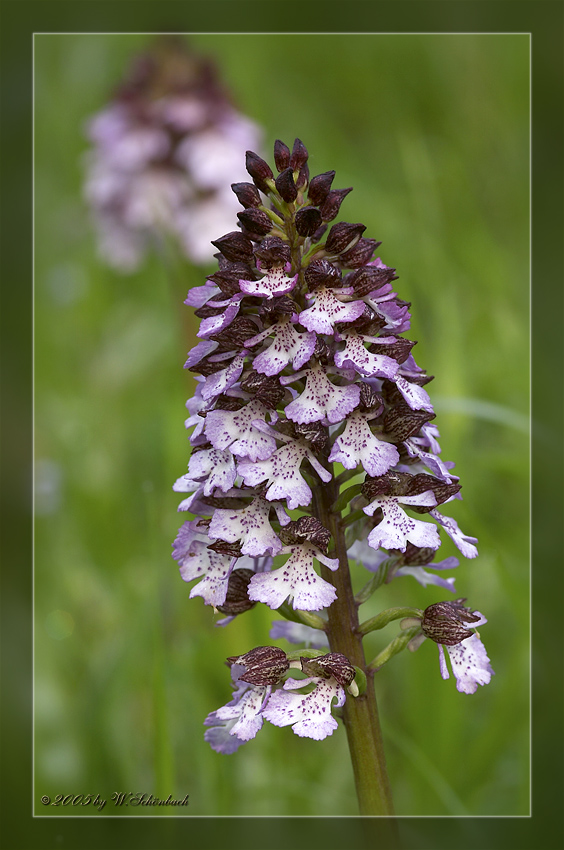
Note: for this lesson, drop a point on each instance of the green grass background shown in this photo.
(432, 133)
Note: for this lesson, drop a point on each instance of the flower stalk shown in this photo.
(360, 716)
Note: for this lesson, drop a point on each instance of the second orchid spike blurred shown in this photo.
(165, 150)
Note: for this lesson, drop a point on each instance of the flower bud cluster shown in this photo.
(165, 150)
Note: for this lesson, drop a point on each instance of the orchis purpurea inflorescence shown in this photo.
(313, 444)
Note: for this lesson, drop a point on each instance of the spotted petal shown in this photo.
(328, 310)
(357, 444)
(397, 529)
(217, 467)
(273, 283)
(233, 430)
(247, 714)
(288, 345)
(462, 541)
(239, 720)
(356, 356)
(417, 397)
(250, 525)
(309, 714)
(433, 463)
(470, 664)
(296, 580)
(321, 400)
(282, 472)
(197, 561)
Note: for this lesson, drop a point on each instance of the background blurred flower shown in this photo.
(165, 150)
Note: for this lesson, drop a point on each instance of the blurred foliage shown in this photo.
(432, 133)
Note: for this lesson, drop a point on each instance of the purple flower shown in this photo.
(356, 356)
(223, 380)
(358, 445)
(214, 324)
(272, 284)
(426, 449)
(296, 581)
(462, 541)
(282, 474)
(470, 664)
(416, 397)
(397, 529)
(322, 401)
(329, 309)
(216, 467)
(240, 719)
(288, 345)
(451, 624)
(235, 431)
(197, 560)
(249, 525)
(309, 714)
(164, 153)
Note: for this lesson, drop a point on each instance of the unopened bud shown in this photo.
(259, 170)
(247, 194)
(333, 664)
(369, 278)
(286, 186)
(256, 221)
(281, 155)
(308, 219)
(343, 236)
(321, 273)
(447, 622)
(319, 187)
(299, 155)
(235, 246)
(360, 254)
(273, 251)
(265, 665)
(332, 203)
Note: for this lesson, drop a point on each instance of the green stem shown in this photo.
(397, 645)
(382, 619)
(305, 617)
(360, 714)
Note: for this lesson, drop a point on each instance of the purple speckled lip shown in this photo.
(273, 284)
(321, 400)
(287, 346)
(328, 310)
(358, 445)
